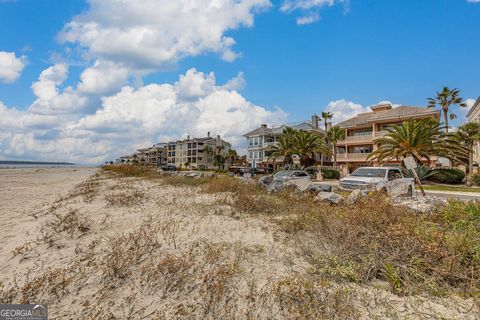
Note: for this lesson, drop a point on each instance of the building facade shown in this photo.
(363, 129)
(474, 115)
(262, 142)
(157, 154)
(197, 153)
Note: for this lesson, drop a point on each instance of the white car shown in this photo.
(384, 179)
(291, 175)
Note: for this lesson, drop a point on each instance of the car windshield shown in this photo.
(369, 172)
(280, 174)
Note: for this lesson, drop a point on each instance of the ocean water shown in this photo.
(25, 166)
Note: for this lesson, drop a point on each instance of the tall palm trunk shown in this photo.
(445, 117)
(334, 154)
(470, 159)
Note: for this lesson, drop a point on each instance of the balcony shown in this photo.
(352, 156)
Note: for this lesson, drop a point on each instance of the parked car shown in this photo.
(291, 174)
(169, 167)
(384, 179)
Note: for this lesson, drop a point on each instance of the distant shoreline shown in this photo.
(35, 163)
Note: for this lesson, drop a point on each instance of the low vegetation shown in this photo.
(267, 256)
(436, 253)
(127, 170)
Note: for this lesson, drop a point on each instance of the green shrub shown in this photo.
(476, 179)
(447, 175)
(331, 174)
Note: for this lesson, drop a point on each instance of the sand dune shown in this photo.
(96, 246)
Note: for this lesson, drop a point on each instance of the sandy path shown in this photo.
(24, 191)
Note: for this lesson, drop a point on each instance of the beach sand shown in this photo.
(96, 246)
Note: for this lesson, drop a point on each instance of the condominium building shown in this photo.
(198, 153)
(262, 142)
(157, 154)
(474, 115)
(363, 129)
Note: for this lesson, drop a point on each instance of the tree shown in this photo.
(284, 148)
(306, 144)
(469, 134)
(326, 115)
(232, 155)
(444, 100)
(334, 135)
(219, 161)
(419, 139)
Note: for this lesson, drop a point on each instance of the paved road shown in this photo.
(453, 195)
(441, 194)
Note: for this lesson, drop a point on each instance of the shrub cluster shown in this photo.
(331, 174)
(476, 179)
(447, 175)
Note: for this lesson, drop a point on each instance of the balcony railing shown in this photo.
(352, 156)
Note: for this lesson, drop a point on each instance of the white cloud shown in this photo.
(310, 18)
(309, 9)
(343, 110)
(10, 66)
(473, 1)
(153, 34)
(133, 117)
(49, 98)
(237, 83)
(103, 77)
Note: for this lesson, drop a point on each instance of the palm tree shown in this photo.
(419, 139)
(232, 155)
(334, 135)
(326, 115)
(306, 144)
(284, 148)
(469, 134)
(444, 100)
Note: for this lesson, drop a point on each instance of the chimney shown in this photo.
(381, 107)
(219, 141)
(188, 137)
(208, 134)
(315, 121)
(329, 126)
(264, 125)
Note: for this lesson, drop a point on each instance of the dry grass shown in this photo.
(130, 170)
(128, 198)
(162, 267)
(375, 239)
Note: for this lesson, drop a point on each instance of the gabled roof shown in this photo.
(402, 112)
(476, 105)
(307, 126)
(259, 131)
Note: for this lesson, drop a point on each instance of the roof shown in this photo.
(259, 131)
(475, 106)
(401, 112)
(269, 131)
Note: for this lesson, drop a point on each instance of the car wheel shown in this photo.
(410, 191)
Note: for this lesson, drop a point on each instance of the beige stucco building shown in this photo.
(474, 115)
(363, 129)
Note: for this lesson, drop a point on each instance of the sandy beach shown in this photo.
(97, 246)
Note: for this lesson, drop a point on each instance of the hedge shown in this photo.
(447, 175)
(330, 174)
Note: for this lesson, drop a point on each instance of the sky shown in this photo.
(88, 81)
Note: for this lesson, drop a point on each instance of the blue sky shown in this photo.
(358, 52)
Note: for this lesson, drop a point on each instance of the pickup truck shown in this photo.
(384, 179)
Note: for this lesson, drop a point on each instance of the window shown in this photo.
(362, 149)
(394, 174)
